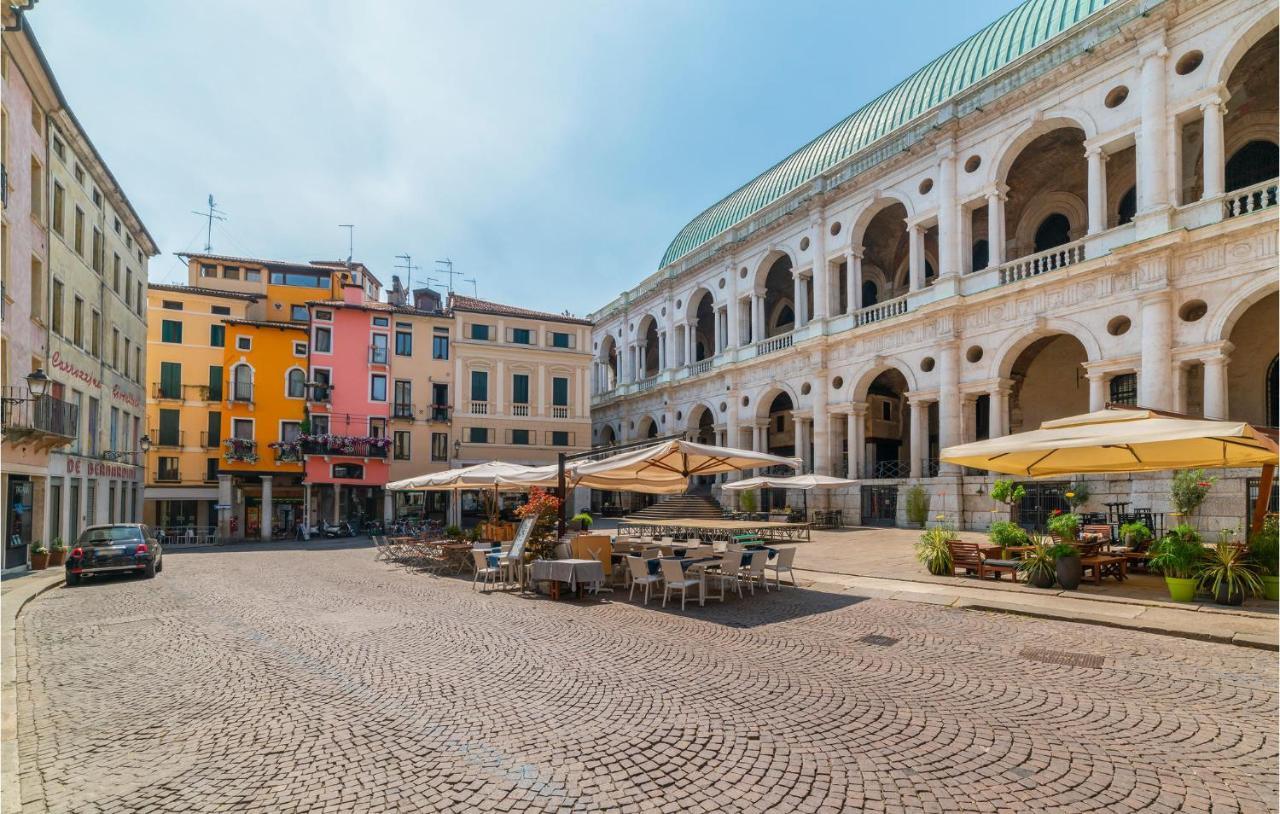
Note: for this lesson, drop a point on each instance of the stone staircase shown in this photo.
(697, 506)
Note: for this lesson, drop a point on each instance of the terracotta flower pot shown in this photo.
(57, 557)
(39, 562)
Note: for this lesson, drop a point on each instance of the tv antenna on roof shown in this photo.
(409, 268)
(475, 292)
(351, 239)
(210, 216)
(445, 266)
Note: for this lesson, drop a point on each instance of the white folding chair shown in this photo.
(755, 571)
(727, 573)
(674, 577)
(780, 565)
(638, 569)
(485, 572)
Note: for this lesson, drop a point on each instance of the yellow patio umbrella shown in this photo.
(1124, 440)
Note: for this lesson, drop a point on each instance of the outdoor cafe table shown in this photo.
(576, 573)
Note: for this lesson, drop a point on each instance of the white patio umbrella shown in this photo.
(682, 459)
(488, 475)
(548, 477)
(802, 482)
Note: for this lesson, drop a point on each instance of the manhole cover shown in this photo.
(1090, 660)
(878, 640)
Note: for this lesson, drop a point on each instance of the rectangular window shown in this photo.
(59, 196)
(520, 437)
(95, 334)
(170, 380)
(78, 237)
(299, 348)
(348, 471)
(37, 291)
(439, 446)
(400, 446)
(440, 347)
(171, 331)
(479, 385)
(115, 273)
(218, 336)
(137, 364)
(1124, 389)
(298, 313)
(77, 324)
(319, 425)
(115, 348)
(215, 382)
(886, 411)
(171, 305)
(99, 249)
(244, 343)
(402, 405)
(127, 346)
(560, 392)
(378, 387)
(231, 272)
(37, 188)
(213, 429)
(323, 341)
(242, 428)
(326, 316)
(169, 434)
(220, 310)
(520, 388)
(559, 438)
(561, 340)
(378, 350)
(522, 336)
(439, 394)
(252, 275)
(478, 435)
(92, 430)
(211, 469)
(168, 470)
(377, 428)
(404, 343)
(128, 287)
(381, 322)
(480, 332)
(113, 429)
(208, 270)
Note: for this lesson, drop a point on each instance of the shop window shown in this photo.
(348, 471)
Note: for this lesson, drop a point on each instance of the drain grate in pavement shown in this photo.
(1090, 660)
(878, 640)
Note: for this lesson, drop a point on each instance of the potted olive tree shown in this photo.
(1264, 548)
(1178, 556)
(1010, 494)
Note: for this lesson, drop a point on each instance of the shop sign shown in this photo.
(127, 398)
(91, 468)
(62, 365)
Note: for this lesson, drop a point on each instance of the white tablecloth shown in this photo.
(587, 572)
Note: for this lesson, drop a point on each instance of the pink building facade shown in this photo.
(346, 445)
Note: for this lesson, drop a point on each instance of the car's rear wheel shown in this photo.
(160, 565)
(150, 571)
(73, 580)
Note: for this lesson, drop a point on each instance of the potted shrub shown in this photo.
(1066, 564)
(57, 553)
(1077, 493)
(1006, 533)
(917, 506)
(1038, 563)
(1228, 574)
(1008, 493)
(1178, 556)
(583, 519)
(1135, 535)
(1190, 488)
(453, 531)
(748, 502)
(1064, 525)
(1264, 548)
(932, 550)
(545, 508)
(39, 556)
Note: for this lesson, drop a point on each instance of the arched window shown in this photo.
(1273, 385)
(1053, 231)
(242, 383)
(981, 255)
(928, 270)
(1253, 163)
(1128, 206)
(869, 293)
(295, 383)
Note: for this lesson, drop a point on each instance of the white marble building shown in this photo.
(1075, 206)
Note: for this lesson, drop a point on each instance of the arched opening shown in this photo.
(781, 431)
(1048, 382)
(981, 255)
(609, 362)
(704, 328)
(647, 428)
(1128, 206)
(242, 383)
(651, 350)
(886, 248)
(887, 453)
(1052, 232)
(1251, 120)
(1251, 383)
(607, 436)
(779, 298)
(295, 383)
(870, 293)
(1049, 177)
(702, 427)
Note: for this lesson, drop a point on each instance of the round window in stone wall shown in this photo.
(723, 406)
(664, 310)
(926, 364)
(805, 388)
(679, 304)
(679, 415)
(1119, 326)
(746, 400)
(804, 244)
(972, 163)
(837, 382)
(835, 228)
(664, 420)
(1116, 96)
(742, 272)
(721, 282)
(926, 186)
(974, 354)
(1188, 62)
(1192, 311)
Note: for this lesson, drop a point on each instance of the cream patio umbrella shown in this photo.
(682, 459)
(802, 482)
(1124, 440)
(548, 477)
(488, 475)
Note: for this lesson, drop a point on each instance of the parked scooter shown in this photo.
(336, 530)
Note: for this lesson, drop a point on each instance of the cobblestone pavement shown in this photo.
(319, 680)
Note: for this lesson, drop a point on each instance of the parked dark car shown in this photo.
(117, 547)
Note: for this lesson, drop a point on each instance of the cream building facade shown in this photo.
(1075, 206)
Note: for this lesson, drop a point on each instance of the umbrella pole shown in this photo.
(1264, 498)
(563, 497)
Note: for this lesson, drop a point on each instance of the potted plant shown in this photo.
(917, 506)
(1066, 564)
(1038, 563)
(1135, 535)
(1064, 525)
(57, 553)
(1178, 556)
(1077, 493)
(1228, 574)
(1264, 548)
(749, 502)
(542, 539)
(1190, 488)
(1006, 533)
(583, 519)
(1008, 493)
(453, 531)
(932, 550)
(39, 556)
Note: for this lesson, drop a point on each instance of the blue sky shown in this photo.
(551, 149)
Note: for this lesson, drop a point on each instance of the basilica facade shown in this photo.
(1074, 207)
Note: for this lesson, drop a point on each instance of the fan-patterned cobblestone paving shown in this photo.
(320, 680)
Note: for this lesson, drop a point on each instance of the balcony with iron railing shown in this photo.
(240, 450)
(402, 409)
(377, 355)
(210, 441)
(345, 445)
(184, 392)
(242, 392)
(168, 440)
(440, 412)
(25, 416)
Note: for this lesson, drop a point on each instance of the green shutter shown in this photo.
(218, 335)
(479, 385)
(520, 389)
(214, 431)
(171, 331)
(560, 392)
(170, 380)
(215, 382)
(169, 428)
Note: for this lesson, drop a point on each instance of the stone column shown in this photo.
(265, 514)
(1097, 189)
(821, 429)
(337, 502)
(919, 446)
(224, 499)
(998, 415)
(733, 319)
(948, 214)
(853, 274)
(662, 351)
(691, 337)
(799, 298)
(915, 256)
(306, 505)
(968, 417)
(821, 273)
(1152, 152)
(1215, 384)
(1214, 153)
(1155, 388)
(949, 398)
(995, 225)
(1097, 390)
(758, 329)
(802, 443)
(857, 431)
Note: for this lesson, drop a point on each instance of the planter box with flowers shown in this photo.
(241, 449)
(352, 445)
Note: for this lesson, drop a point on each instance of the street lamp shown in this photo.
(37, 383)
(144, 444)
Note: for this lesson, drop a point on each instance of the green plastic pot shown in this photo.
(1181, 590)
(1271, 588)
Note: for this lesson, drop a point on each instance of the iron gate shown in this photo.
(1252, 485)
(1042, 498)
(879, 505)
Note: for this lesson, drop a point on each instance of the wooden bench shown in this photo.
(973, 558)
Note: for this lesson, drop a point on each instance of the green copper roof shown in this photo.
(1021, 30)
